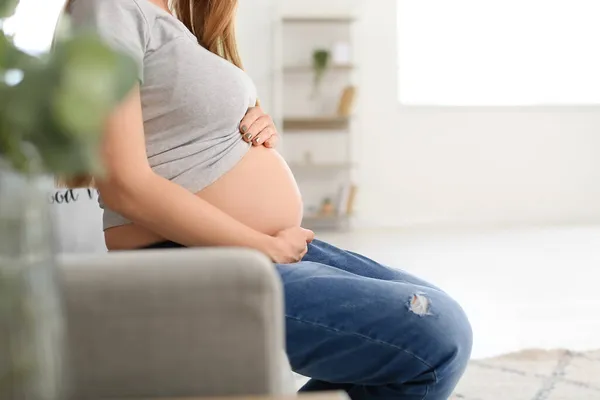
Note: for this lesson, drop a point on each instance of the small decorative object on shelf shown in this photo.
(341, 53)
(320, 63)
(351, 200)
(346, 197)
(332, 216)
(347, 101)
(327, 208)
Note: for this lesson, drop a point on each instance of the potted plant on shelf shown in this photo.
(320, 62)
(52, 109)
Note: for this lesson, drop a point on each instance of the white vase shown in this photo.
(31, 318)
(318, 102)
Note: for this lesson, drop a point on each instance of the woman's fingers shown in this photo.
(258, 128)
(272, 142)
(254, 130)
(253, 114)
(303, 254)
(265, 135)
(310, 235)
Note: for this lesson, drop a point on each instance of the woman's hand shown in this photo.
(258, 128)
(289, 246)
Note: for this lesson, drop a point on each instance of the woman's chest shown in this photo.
(184, 79)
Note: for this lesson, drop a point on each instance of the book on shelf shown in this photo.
(351, 200)
(342, 200)
(345, 200)
(346, 103)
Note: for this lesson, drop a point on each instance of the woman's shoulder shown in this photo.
(126, 25)
(113, 10)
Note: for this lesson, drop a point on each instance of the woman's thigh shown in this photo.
(342, 326)
(325, 253)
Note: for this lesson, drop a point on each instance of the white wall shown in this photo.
(256, 35)
(464, 166)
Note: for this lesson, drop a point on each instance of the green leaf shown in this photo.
(8, 7)
(93, 79)
(64, 28)
(24, 112)
(4, 46)
(13, 58)
(127, 76)
(10, 149)
(60, 106)
(320, 63)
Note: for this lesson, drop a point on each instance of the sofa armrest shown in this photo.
(177, 323)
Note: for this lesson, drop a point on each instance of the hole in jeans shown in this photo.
(419, 304)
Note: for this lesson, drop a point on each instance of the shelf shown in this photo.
(321, 167)
(324, 223)
(308, 19)
(316, 124)
(308, 68)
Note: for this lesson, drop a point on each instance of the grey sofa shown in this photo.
(168, 323)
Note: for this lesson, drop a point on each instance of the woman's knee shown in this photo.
(448, 339)
(442, 335)
(455, 338)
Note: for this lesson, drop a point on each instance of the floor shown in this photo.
(522, 288)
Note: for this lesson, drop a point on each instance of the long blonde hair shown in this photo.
(213, 24)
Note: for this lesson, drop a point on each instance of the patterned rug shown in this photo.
(529, 375)
(533, 375)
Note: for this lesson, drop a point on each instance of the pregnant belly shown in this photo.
(260, 191)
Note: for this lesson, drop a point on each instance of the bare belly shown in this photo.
(260, 191)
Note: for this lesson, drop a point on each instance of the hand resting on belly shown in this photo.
(257, 199)
(260, 191)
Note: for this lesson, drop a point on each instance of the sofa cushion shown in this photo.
(77, 220)
(78, 224)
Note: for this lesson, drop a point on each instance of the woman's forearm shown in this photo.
(178, 215)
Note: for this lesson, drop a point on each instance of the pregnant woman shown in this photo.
(190, 161)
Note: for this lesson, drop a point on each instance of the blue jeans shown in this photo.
(375, 332)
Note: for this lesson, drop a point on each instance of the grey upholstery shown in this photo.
(176, 323)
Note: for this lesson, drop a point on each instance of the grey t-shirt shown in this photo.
(192, 100)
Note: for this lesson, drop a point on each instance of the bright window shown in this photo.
(499, 52)
(33, 24)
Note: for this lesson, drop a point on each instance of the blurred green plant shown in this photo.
(320, 64)
(52, 106)
(52, 111)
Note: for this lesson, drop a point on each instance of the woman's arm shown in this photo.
(133, 190)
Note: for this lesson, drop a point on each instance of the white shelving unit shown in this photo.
(317, 140)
